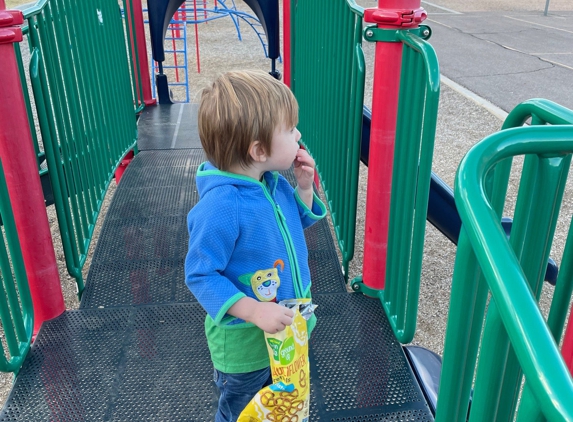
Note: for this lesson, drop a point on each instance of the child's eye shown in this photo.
(293, 129)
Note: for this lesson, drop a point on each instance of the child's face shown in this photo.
(284, 147)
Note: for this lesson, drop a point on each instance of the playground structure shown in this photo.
(360, 371)
(173, 17)
(175, 36)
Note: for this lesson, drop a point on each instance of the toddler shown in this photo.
(247, 249)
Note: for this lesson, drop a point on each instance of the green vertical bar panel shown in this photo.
(531, 238)
(39, 152)
(468, 296)
(328, 82)
(415, 132)
(532, 231)
(512, 269)
(543, 111)
(16, 309)
(82, 86)
(529, 410)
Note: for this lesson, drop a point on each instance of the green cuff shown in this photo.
(220, 318)
(318, 210)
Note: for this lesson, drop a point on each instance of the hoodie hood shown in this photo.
(210, 177)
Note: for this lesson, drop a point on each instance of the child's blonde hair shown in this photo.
(241, 107)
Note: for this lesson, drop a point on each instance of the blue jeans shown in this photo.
(237, 390)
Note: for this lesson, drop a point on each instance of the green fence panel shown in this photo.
(413, 152)
(40, 155)
(533, 225)
(515, 334)
(328, 82)
(412, 169)
(16, 309)
(82, 85)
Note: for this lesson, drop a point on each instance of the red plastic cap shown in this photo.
(10, 35)
(403, 18)
(11, 17)
(9, 32)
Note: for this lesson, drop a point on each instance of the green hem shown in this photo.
(236, 350)
(241, 369)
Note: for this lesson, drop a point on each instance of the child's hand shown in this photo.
(304, 169)
(268, 316)
(271, 317)
(304, 173)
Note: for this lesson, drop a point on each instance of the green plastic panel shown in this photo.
(328, 82)
(81, 78)
(412, 169)
(504, 381)
(512, 336)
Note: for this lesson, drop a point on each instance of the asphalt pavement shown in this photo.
(506, 57)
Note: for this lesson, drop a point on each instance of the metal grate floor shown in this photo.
(168, 126)
(150, 363)
(142, 246)
(358, 369)
(147, 363)
(136, 349)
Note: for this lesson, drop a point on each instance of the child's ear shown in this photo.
(257, 152)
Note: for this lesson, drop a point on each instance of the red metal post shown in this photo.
(286, 42)
(390, 14)
(22, 177)
(142, 52)
(196, 36)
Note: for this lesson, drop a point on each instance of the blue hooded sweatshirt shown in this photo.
(245, 239)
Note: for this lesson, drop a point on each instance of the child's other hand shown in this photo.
(304, 169)
(268, 316)
(271, 317)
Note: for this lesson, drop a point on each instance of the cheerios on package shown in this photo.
(288, 398)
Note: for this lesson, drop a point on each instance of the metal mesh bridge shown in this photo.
(136, 350)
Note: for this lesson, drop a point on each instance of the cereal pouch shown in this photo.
(288, 398)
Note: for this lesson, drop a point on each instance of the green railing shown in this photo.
(328, 81)
(505, 379)
(411, 174)
(16, 309)
(515, 336)
(80, 75)
(412, 170)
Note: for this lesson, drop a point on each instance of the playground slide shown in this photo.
(442, 211)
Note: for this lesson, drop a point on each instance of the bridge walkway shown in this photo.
(135, 349)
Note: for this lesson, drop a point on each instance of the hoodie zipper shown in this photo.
(281, 220)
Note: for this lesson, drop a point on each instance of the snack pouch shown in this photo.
(288, 398)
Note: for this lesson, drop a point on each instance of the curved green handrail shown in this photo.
(356, 9)
(506, 382)
(544, 111)
(532, 341)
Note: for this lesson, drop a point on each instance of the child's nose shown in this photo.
(298, 135)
